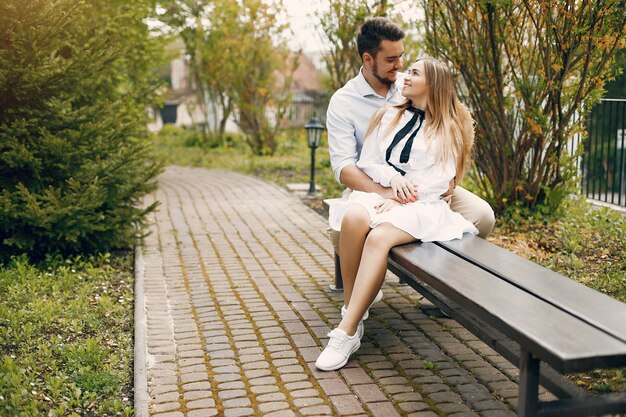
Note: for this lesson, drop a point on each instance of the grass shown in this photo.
(291, 162)
(66, 332)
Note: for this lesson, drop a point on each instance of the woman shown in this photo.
(416, 148)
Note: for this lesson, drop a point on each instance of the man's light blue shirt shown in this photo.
(348, 116)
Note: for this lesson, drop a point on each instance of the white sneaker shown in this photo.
(338, 351)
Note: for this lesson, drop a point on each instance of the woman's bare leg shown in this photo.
(371, 272)
(354, 229)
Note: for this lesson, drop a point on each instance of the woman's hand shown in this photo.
(386, 205)
(402, 189)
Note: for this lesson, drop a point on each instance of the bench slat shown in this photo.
(564, 341)
(598, 309)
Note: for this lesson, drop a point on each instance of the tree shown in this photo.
(238, 57)
(617, 87)
(194, 22)
(340, 23)
(531, 71)
(75, 80)
(261, 71)
(339, 26)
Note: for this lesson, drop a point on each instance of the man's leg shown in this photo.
(474, 209)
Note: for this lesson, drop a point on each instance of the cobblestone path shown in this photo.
(233, 306)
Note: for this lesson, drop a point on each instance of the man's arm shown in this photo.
(352, 177)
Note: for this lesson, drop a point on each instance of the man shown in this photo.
(379, 83)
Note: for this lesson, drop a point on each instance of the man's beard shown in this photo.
(383, 80)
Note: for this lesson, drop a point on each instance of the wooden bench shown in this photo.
(530, 315)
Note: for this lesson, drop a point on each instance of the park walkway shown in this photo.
(233, 306)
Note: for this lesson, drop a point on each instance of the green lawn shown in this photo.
(66, 333)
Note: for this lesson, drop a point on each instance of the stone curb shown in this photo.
(140, 375)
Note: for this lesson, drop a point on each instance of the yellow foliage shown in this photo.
(534, 127)
(556, 67)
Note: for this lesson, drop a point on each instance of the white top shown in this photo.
(429, 218)
(432, 179)
(349, 112)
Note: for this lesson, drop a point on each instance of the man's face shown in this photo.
(388, 61)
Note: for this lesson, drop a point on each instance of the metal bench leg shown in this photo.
(528, 385)
(338, 285)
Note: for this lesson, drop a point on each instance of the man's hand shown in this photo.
(386, 205)
(402, 189)
(447, 196)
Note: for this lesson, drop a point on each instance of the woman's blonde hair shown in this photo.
(450, 126)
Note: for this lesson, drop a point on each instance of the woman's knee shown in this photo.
(378, 239)
(356, 218)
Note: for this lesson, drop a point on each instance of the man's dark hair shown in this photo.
(373, 32)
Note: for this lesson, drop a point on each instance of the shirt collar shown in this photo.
(365, 89)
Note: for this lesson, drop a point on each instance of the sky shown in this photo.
(301, 17)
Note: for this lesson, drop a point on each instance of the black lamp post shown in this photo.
(313, 137)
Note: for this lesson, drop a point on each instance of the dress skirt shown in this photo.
(425, 219)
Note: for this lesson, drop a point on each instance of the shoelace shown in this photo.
(335, 341)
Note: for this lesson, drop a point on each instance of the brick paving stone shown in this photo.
(369, 393)
(169, 414)
(498, 413)
(450, 408)
(239, 412)
(408, 396)
(206, 412)
(281, 413)
(167, 397)
(204, 403)
(317, 410)
(445, 397)
(228, 394)
(346, 404)
(307, 402)
(298, 385)
(163, 407)
(384, 409)
(396, 389)
(488, 405)
(277, 396)
(238, 309)
(196, 395)
(272, 406)
(334, 386)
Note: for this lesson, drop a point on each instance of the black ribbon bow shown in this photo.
(406, 150)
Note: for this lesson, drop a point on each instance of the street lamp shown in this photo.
(313, 136)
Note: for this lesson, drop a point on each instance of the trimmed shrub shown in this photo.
(74, 158)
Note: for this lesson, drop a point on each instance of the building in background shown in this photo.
(181, 106)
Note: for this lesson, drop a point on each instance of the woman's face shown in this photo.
(415, 84)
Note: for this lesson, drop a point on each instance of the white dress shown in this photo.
(427, 219)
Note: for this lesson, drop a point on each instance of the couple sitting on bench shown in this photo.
(417, 149)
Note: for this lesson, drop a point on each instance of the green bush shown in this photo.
(74, 157)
